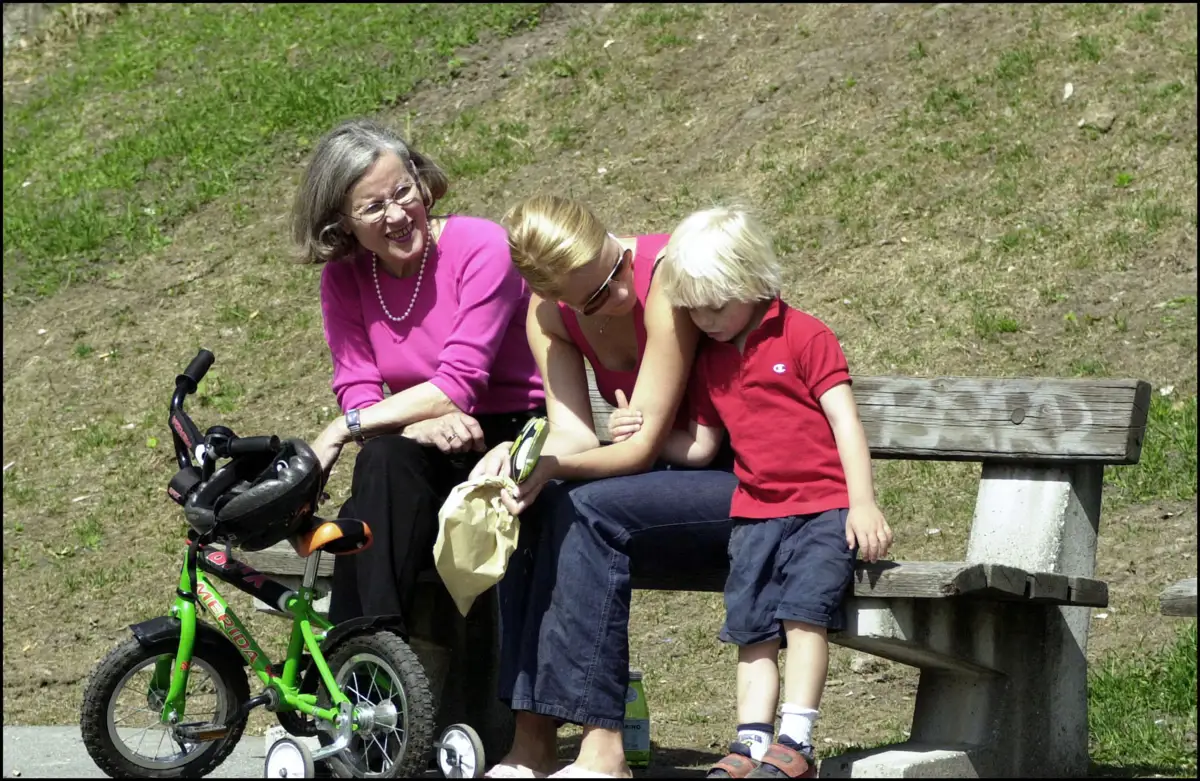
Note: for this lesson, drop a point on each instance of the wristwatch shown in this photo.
(355, 427)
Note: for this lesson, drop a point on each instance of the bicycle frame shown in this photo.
(303, 636)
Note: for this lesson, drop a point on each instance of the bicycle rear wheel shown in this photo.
(121, 707)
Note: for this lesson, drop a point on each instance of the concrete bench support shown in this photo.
(1003, 688)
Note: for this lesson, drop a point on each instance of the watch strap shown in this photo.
(354, 425)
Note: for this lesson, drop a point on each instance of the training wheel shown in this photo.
(289, 758)
(460, 752)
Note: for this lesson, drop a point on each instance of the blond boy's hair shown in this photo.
(549, 238)
(717, 256)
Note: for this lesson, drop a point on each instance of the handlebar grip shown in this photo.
(252, 446)
(196, 370)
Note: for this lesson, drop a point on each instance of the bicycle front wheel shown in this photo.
(122, 705)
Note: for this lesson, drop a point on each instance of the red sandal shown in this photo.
(736, 764)
(781, 761)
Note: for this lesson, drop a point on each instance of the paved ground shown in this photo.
(58, 752)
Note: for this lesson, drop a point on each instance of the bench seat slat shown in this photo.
(1179, 599)
(923, 580)
(280, 559)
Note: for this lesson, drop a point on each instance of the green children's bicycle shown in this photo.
(173, 700)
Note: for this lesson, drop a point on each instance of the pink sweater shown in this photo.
(465, 334)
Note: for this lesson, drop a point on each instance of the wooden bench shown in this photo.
(1179, 599)
(1000, 638)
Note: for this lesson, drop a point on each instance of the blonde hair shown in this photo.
(551, 237)
(717, 256)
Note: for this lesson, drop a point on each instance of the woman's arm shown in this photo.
(357, 382)
(671, 339)
(568, 403)
(564, 380)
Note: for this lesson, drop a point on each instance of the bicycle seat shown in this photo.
(342, 537)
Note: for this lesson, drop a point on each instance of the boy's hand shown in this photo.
(624, 422)
(866, 527)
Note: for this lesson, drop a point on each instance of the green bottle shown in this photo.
(637, 722)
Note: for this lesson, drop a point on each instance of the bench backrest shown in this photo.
(1043, 443)
(1018, 420)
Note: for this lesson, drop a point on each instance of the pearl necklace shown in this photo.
(416, 291)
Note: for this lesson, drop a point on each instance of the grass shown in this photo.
(107, 151)
(948, 196)
(1142, 710)
(1167, 469)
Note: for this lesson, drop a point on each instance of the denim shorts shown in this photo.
(796, 568)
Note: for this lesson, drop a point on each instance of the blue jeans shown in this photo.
(564, 599)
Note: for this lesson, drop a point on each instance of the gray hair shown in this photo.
(340, 159)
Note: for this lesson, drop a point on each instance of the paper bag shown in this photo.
(476, 536)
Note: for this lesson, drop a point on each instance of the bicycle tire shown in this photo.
(107, 682)
(389, 648)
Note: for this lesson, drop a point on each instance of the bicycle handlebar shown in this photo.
(196, 370)
(222, 442)
(184, 431)
(251, 446)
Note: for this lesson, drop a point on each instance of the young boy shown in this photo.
(776, 379)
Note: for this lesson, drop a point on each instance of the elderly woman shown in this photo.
(566, 594)
(430, 306)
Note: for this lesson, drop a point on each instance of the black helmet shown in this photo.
(268, 498)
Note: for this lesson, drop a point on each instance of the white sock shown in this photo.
(757, 739)
(797, 723)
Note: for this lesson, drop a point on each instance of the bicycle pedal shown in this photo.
(201, 732)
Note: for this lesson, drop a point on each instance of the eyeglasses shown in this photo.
(374, 211)
(600, 297)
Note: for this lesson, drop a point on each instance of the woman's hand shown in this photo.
(624, 422)
(494, 464)
(328, 446)
(527, 492)
(454, 432)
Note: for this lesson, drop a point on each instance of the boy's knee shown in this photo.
(804, 628)
(764, 649)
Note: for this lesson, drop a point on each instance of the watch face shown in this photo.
(524, 453)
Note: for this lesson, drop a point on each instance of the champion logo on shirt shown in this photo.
(779, 368)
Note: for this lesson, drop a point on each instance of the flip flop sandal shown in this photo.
(734, 765)
(780, 761)
(512, 771)
(571, 771)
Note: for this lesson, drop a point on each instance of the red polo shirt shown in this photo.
(786, 459)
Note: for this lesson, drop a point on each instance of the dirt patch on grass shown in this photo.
(932, 193)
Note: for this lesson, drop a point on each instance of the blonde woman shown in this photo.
(601, 510)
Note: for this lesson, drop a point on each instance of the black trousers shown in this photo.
(397, 489)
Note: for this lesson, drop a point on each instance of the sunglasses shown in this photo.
(600, 297)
